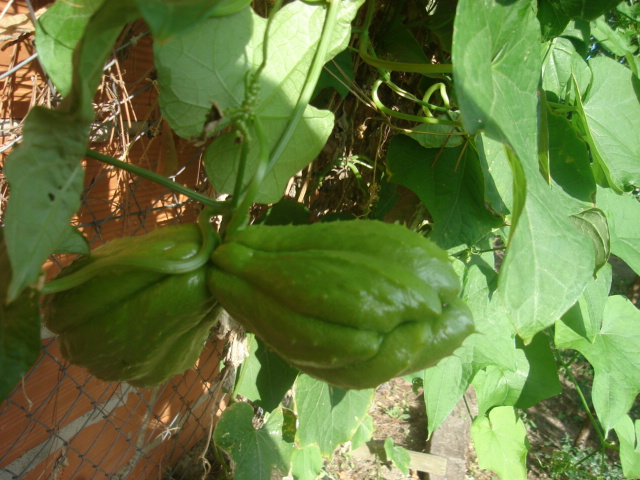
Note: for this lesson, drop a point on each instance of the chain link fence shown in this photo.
(60, 422)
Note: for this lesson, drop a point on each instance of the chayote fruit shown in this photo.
(351, 303)
(130, 320)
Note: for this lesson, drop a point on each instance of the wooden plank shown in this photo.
(421, 462)
(452, 440)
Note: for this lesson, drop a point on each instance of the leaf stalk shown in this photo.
(219, 208)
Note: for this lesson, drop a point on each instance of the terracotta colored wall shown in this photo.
(61, 423)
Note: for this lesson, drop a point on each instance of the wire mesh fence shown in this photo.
(60, 422)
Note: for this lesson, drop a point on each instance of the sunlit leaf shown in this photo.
(306, 463)
(628, 432)
(500, 440)
(327, 415)
(397, 454)
(493, 346)
(611, 113)
(256, 454)
(585, 317)
(209, 64)
(44, 173)
(614, 356)
(58, 32)
(548, 262)
(264, 377)
(623, 215)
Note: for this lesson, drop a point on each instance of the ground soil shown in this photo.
(399, 413)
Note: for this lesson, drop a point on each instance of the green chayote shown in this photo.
(352, 303)
(129, 321)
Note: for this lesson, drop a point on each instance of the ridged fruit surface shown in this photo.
(352, 303)
(132, 324)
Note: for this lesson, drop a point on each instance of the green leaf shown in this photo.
(328, 416)
(611, 135)
(585, 317)
(443, 386)
(582, 75)
(579, 31)
(610, 39)
(172, 17)
(398, 455)
(497, 73)
(364, 433)
(306, 463)
(588, 9)
(434, 135)
(569, 160)
(623, 215)
(552, 19)
(285, 212)
(497, 387)
(629, 436)
(534, 379)
(496, 343)
(44, 173)
(614, 356)
(264, 377)
(557, 67)
(631, 11)
(46, 179)
(58, 32)
(493, 346)
(19, 329)
(441, 23)
(548, 262)
(554, 15)
(256, 454)
(208, 64)
(222, 156)
(387, 198)
(542, 379)
(73, 242)
(337, 73)
(498, 178)
(593, 224)
(450, 183)
(103, 29)
(399, 44)
(500, 440)
(543, 140)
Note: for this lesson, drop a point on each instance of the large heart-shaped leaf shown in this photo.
(209, 65)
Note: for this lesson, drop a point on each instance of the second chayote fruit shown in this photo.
(352, 303)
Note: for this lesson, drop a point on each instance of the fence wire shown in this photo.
(60, 422)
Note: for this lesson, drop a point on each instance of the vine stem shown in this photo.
(219, 208)
(239, 218)
(309, 85)
(593, 421)
(156, 264)
(429, 69)
(405, 116)
(251, 80)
